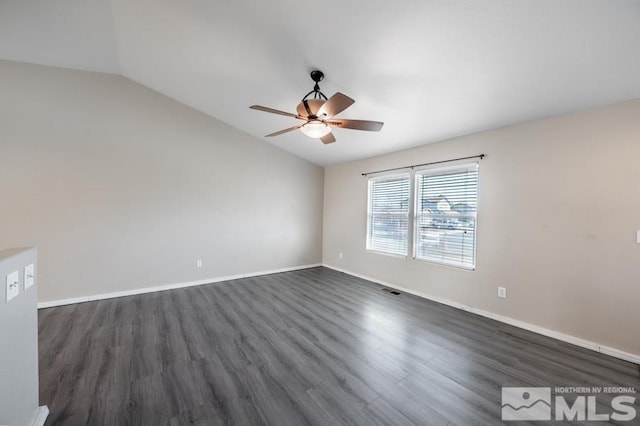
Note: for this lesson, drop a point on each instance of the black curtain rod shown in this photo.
(481, 156)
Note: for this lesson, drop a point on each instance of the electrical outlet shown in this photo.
(13, 285)
(29, 276)
(638, 237)
(198, 263)
(340, 255)
(502, 292)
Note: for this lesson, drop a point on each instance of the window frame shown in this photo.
(413, 216)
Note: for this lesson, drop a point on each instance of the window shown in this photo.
(388, 216)
(445, 215)
(439, 222)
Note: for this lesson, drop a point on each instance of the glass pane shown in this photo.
(389, 233)
(450, 245)
(389, 214)
(446, 216)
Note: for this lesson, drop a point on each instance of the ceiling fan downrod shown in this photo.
(317, 76)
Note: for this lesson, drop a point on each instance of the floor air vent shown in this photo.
(392, 291)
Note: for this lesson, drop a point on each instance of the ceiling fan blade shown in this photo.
(290, 129)
(328, 138)
(335, 105)
(275, 111)
(371, 126)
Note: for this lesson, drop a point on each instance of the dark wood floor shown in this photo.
(307, 347)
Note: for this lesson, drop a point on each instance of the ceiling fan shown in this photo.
(317, 113)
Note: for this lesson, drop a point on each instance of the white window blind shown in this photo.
(445, 215)
(388, 214)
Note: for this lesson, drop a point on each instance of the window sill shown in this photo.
(448, 265)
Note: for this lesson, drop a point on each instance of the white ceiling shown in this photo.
(431, 70)
(63, 33)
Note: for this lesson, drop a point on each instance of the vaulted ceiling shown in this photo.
(431, 70)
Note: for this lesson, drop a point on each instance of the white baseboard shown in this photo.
(40, 416)
(61, 302)
(607, 350)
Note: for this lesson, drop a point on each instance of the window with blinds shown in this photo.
(388, 215)
(445, 215)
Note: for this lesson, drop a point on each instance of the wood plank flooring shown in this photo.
(313, 347)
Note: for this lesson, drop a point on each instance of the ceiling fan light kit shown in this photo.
(315, 129)
(318, 112)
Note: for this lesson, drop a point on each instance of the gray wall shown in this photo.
(19, 342)
(121, 188)
(559, 206)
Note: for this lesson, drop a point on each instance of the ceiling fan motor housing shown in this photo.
(313, 105)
